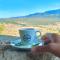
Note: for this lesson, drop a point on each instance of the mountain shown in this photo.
(51, 13)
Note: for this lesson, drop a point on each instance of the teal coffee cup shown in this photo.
(29, 35)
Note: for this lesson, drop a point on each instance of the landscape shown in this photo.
(46, 22)
(41, 15)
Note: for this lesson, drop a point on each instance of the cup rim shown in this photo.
(26, 29)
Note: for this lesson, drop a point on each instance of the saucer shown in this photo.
(18, 44)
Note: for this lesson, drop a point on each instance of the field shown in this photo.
(45, 25)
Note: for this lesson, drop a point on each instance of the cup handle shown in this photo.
(40, 41)
(39, 34)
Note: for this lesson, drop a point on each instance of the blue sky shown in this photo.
(13, 8)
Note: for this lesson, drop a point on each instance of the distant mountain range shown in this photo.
(47, 17)
(51, 13)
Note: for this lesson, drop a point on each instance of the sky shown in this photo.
(14, 8)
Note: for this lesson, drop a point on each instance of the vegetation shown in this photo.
(44, 24)
(2, 27)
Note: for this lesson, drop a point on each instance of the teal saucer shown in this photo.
(18, 44)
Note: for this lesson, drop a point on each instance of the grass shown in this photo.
(2, 27)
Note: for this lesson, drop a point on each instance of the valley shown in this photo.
(11, 27)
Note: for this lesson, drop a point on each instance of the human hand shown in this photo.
(53, 45)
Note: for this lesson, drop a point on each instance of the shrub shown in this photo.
(1, 28)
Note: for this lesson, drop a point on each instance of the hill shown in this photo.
(51, 13)
(47, 17)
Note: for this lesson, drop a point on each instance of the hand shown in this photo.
(53, 45)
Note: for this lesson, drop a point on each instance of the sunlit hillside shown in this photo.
(13, 28)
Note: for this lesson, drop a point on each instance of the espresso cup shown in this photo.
(29, 35)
